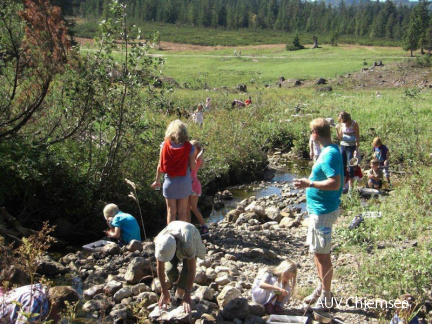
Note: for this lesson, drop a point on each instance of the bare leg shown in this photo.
(325, 270)
(182, 208)
(193, 204)
(171, 210)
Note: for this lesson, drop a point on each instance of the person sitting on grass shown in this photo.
(122, 226)
(35, 302)
(274, 286)
(374, 175)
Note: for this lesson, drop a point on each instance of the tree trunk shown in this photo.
(315, 39)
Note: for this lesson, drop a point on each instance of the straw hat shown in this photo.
(353, 162)
(331, 122)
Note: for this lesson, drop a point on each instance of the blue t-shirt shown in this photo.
(129, 228)
(328, 165)
(380, 153)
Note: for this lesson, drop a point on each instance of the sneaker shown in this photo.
(312, 298)
(325, 302)
(204, 231)
(269, 308)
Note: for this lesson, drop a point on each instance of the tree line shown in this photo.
(374, 19)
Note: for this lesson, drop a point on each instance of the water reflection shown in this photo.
(290, 171)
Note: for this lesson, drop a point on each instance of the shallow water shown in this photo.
(291, 171)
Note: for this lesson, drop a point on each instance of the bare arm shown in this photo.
(165, 297)
(189, 284)
(357, 134)
(332, 183)
(267, 286)
(192, 163)
(338, 131)
(113, 232)
(156, 183)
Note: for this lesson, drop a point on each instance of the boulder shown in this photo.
(124, 292)
(134, 245)
(137, 269)
(93, 291)
(232, 215)
(120, 313)
(148, 298)
(236, 308)
(256, 208)
(227, 294)
(50, 268)
(273, 214)
(110, 249)
(112, 287)
(204, 293)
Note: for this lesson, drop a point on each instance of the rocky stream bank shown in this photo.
(118, 284)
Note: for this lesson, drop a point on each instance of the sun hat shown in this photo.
(331, 122)
(165, 247)
(353, 162)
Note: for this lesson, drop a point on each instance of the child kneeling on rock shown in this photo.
(274, 286)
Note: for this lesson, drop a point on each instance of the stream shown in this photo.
(286, 174)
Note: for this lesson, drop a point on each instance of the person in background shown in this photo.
(248, 101)
(179, 241)
(314, 149)
(198, 115)
(40, 302)
(358, 174)
(196, 188)
(374, 175)
(323, 192)
(122, 226)
(207, 104)
(348, 132)
(274, 286)
(382, 154)
(176, 160)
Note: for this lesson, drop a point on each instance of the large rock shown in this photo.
(95, 305)
(204, 293)
(134, 245)
(93, 291)
(148, 298)
(110, 249)
(125, 292)
(50, 268)
(237, 308)
(232, 215)
(112, 287)
(273, 214)
(121, 313)
(256, 208)
(138, 269)
(227, 294)
(139, 288)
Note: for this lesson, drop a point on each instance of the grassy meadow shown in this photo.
(279, 117)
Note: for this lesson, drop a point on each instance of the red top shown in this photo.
(248, 102)
(174, 161)
(358, 172)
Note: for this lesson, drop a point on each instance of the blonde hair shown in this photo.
(110, 210)
(321, 126)
(377, 142)
(285, 266)
(196, 144)
(177, 132)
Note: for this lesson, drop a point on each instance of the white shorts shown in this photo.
(319, 232)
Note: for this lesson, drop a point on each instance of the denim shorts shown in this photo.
(319, 232)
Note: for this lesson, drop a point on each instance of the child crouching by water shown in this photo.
(274, 286)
